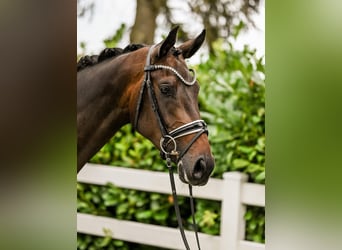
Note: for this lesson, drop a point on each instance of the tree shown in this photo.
(223, 19)
(145, 20)
(84, 8)
(220, 18)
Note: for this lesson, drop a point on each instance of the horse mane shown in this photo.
(88, 61)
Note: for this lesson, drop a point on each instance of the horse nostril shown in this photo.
(199, 169)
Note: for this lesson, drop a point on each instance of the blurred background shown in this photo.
(231, 72)
(241, 22)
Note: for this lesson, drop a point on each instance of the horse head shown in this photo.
(167, 113)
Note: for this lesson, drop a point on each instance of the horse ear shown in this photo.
(189, 48)
(168, 43)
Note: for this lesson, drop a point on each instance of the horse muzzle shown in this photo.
(196, 172)
(193, 157)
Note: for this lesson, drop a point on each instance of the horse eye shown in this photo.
(165, 89)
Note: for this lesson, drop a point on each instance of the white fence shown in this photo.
(234, 192)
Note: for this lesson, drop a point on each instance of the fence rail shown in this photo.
(234, 192)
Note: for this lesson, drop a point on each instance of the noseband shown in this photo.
(197, 127)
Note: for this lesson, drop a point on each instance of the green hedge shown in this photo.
(232, 102)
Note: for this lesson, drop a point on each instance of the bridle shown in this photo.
(197, 127)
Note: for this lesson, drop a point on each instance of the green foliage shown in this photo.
(112, 41)
(232, 102)
(126, 149)
(126, 204)
(255, 224)
(207, 216)
(88, 242)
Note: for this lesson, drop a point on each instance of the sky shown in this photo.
(108, 16)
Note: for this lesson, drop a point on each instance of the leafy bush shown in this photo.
(232, 102)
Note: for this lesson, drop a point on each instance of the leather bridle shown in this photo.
(197, 127)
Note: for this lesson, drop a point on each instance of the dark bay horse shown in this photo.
(151, 88)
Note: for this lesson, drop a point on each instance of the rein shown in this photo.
(197, 127)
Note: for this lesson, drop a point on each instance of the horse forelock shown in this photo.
(88, 61)
(176, 51)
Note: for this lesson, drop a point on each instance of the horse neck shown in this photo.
(104, 93)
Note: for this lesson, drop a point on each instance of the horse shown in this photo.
(152, 88)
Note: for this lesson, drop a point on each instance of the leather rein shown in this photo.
(197, 127)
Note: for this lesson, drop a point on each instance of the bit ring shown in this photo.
(174, 150)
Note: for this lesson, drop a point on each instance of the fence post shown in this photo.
(232, 215)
